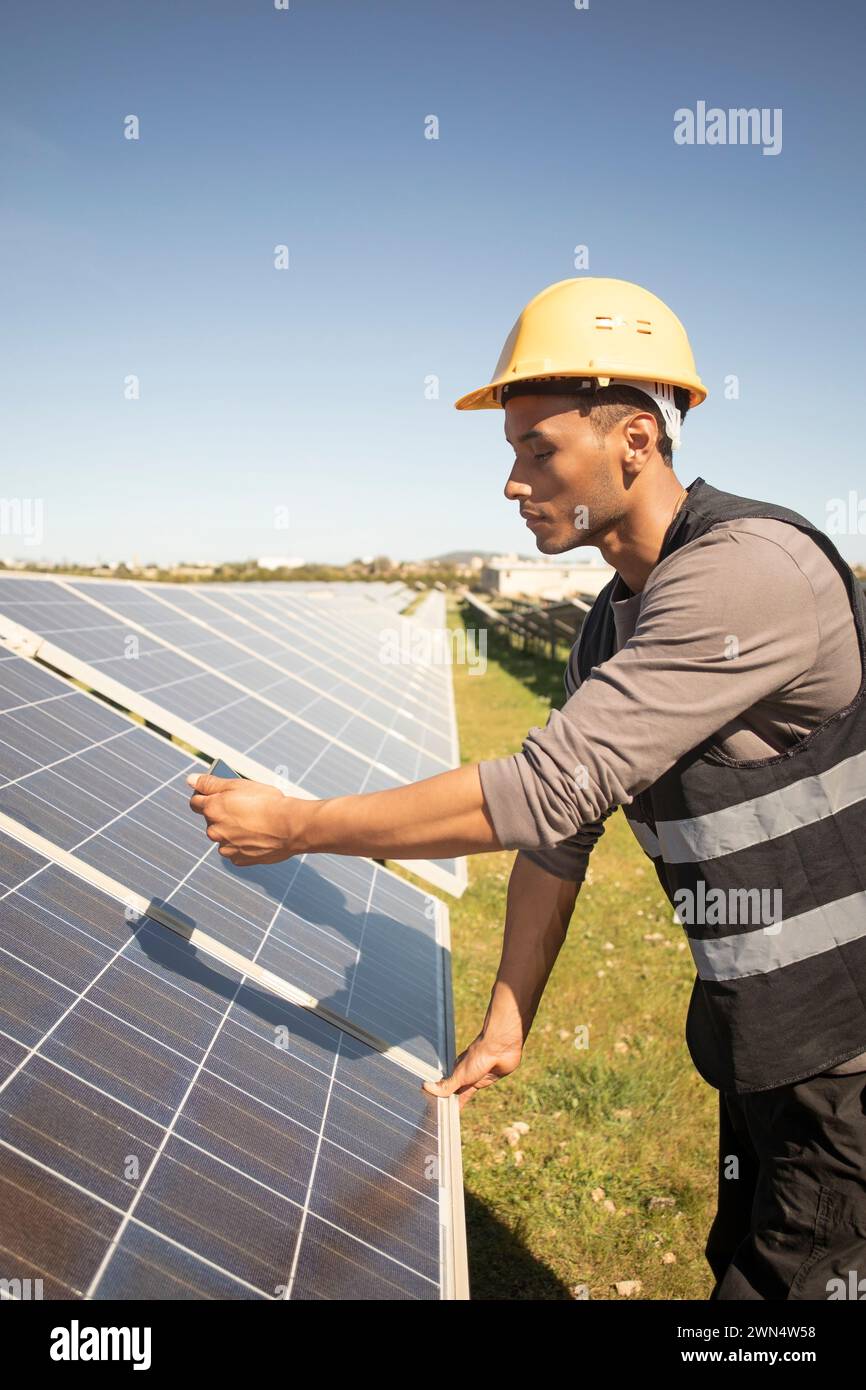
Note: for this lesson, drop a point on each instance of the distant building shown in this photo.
(192, 571)
(511, 577)
(280, 562)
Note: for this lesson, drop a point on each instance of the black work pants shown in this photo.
(791, 1219)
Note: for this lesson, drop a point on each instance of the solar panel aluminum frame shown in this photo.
(24, 642)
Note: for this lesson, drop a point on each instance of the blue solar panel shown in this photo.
(335, 721)
(342, 659)
(205, 698)
(167, 1130)
(344, 930)
(321, 657)
(306, 757)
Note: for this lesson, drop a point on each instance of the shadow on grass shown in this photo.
(534, 670)
(500, 1266)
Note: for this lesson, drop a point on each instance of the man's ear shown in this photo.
(641, 434)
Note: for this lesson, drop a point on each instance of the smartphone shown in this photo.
(220, 769)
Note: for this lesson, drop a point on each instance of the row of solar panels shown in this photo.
(210, 1078)
(324, 696)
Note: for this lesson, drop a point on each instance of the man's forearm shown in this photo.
(538, 912)
(440, 817)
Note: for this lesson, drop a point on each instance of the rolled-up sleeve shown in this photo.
(570, 858)
(702, 653)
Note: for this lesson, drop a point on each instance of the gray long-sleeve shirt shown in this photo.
(745, 634)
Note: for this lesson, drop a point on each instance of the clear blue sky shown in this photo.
(303, 389)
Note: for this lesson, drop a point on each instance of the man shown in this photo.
(717, 694)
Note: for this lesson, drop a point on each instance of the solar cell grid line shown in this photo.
(354, 624)
(118, 1235)
(392, 751)
(351, 619)
(453, 872)
(356, 639)
(99, 786)
(419, 657)
(337, 722)
(391, 696)
(142, 1050)
(233, 615)
(203, 607)
(411, 707)
(413, 689)
(351, 698)
(104, 638)
(203, 710)
(278, 985)
(320, 764)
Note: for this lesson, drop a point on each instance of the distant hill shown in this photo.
(463, 557)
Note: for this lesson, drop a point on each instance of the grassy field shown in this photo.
(614, 1179)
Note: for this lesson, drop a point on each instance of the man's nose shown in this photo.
(515, 491)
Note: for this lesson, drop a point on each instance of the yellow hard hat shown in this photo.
(593, 328)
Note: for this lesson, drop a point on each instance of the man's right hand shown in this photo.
(484, 1061)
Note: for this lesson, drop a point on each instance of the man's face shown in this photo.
(563, 477)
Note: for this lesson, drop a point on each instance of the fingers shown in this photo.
(477, 1067)
(246, 861)
(206, 785)
(439, 1088)
(445, 1088)
(464, 1075)
(447, 1085)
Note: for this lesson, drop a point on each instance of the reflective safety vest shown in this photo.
(764, 860)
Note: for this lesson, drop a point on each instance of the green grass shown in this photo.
(628, 1114)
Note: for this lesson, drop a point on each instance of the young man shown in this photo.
(717, 694)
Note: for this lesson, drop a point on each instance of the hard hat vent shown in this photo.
(617, 321)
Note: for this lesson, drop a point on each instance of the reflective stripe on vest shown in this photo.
(698, 839)
(792, 939)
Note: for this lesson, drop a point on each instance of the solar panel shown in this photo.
(324, 719)
(360, 941)
(276, 631)
(195, 704)
(168, 1130)
(372, 639)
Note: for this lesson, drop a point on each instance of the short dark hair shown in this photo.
(605, 405)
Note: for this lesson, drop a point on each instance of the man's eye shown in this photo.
(539, 458)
